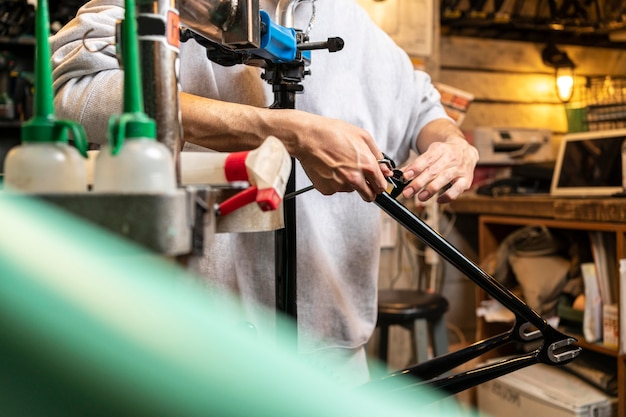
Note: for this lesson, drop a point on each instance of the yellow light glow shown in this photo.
(565, 83)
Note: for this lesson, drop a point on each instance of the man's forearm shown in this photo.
(227, 127)
(336, 155)
(440, 130)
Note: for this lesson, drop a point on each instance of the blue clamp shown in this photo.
(278, 43)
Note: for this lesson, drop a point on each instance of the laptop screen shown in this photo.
(589, 164)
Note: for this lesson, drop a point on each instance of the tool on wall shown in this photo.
(7, 105)
(17, 18)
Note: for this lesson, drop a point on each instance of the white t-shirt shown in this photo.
(370, 83)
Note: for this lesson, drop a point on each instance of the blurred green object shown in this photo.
(576, 118)
(92, 325)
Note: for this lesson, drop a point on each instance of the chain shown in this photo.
(312, 19)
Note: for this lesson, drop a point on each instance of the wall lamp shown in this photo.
(563, 71)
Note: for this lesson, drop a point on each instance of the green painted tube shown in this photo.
(92, 325)
(133, 123)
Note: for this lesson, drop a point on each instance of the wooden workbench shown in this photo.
(612, 210)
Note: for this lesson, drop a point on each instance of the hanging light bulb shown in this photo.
(565, 83)
(563, 71)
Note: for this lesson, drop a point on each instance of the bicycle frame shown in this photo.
(556, 349)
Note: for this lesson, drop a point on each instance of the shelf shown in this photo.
(528, 33)
(10, 124)
(22, 40)
(601, 210)
(595, 347)
(498, 217)
(590, 23)
(493, 229)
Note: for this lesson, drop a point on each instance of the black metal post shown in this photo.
(285, 80)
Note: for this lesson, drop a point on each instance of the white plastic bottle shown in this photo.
(142, 165)
(44, 167)
(44, 162)
(133, 161)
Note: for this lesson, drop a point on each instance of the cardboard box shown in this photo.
(543, 391)
(610, 326)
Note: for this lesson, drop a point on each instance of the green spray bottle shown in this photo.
(133, 161)
(45, 162)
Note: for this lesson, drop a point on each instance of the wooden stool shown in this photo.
(418, 311)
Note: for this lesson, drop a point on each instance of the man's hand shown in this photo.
(446, 167)
(340, 157)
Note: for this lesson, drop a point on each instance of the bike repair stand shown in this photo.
(284, 57)
(285, 79)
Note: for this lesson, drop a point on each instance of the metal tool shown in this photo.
(298, 192)
(397, 179)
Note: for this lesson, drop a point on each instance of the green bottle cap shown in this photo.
(133, 123)
(43, 126)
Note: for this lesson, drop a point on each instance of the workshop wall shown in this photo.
(511, 85)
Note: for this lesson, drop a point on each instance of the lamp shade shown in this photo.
(564, 78)
(563, 71)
